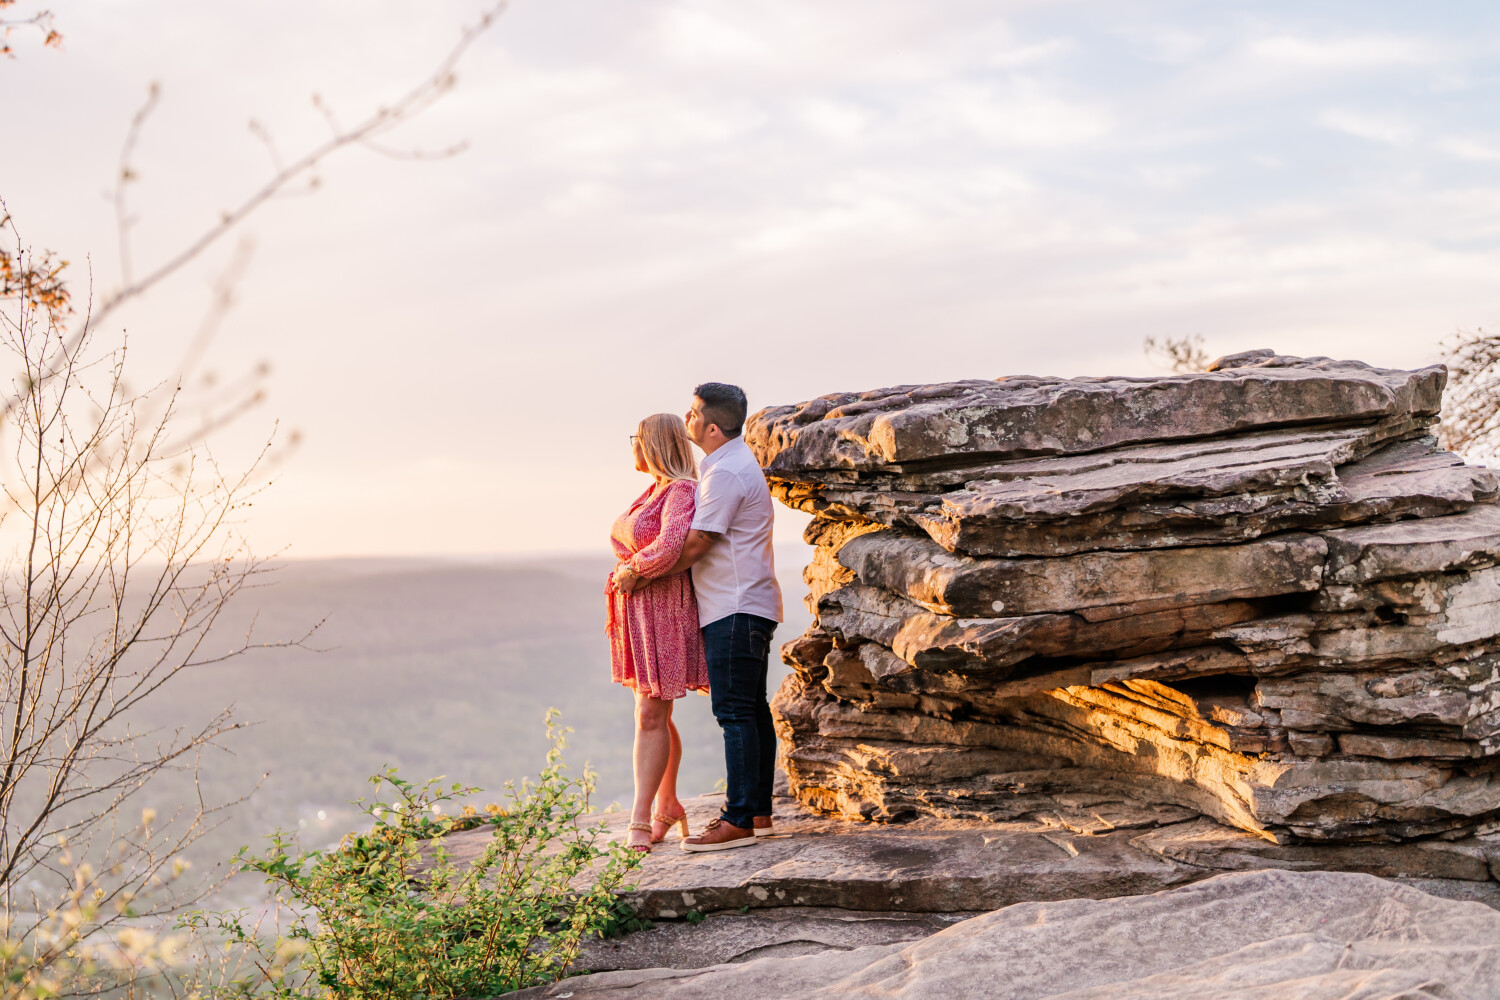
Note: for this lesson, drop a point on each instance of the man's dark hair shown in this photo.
(724, 405)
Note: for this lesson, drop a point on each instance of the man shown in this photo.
(739, 606)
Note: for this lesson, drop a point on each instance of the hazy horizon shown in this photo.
(438, 666)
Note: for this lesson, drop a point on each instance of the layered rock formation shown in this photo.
(1261, 594)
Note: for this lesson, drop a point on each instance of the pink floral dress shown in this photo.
(654, 643)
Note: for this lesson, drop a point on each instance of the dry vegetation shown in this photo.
(1178, 354)
(1471, 404)
(119, 552)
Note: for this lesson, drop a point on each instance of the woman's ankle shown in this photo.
(670, 806)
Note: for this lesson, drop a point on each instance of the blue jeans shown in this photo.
(738, 650)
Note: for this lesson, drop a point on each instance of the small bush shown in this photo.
(623, 920)
(391, 914)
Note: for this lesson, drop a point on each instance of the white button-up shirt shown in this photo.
(738, 574)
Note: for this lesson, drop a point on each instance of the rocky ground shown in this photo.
(826, 886)
(1262, 935)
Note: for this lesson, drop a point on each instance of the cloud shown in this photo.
(1470, 148)
(834, 118)
(1032, 55)
(1360, 53)
(698, 36)
(1019, 113)
(1389, 129)
(1171, 176)
(1166, 43)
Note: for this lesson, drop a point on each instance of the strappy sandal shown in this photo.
(678, 821)
(639, 828)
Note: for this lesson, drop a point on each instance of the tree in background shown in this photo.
(118, 552)
(1179, 354)
(120, 555)
(1471, 404)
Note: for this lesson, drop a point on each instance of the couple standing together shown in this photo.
(693, 602)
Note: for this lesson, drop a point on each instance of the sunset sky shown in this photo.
(797, 197)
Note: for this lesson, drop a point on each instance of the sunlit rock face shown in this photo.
(1261, 593)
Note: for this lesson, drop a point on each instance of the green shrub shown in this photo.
(391, 914)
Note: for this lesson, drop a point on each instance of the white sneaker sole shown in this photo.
(724, 845)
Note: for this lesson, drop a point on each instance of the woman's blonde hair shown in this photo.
(666, 447)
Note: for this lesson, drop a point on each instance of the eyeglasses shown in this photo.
(634, 438)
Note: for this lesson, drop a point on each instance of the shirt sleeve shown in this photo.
(676, 519)
(719, 498)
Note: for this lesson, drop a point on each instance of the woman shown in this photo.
(655, 646)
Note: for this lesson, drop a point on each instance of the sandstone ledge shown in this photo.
(932, 866)
(1024, 415)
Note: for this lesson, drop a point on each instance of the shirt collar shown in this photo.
(709, 461)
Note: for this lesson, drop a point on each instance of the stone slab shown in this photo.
(980, 521)
(1115, 500)
(779, 932)
(1039, 416)
(1484, 893)
(1459, 700)
(1262, 935)
(1313, 453)
(1133, 582)
(1213, 845)
(1466, 541)
(927, 866)
(990, 645)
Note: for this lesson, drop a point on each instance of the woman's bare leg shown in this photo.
(653, 748)
(667, 803)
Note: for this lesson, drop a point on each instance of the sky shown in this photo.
(796, 197)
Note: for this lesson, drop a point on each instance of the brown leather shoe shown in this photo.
(763, 827)
(719, 836)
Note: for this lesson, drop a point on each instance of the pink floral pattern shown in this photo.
(654, 643)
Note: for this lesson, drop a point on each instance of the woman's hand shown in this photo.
(625, 579)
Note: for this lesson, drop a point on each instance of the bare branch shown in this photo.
(43, 22)
(1471, 406)
(125, 176)
(418, 99)
(125, 555)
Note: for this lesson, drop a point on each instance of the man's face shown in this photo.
(697, 427)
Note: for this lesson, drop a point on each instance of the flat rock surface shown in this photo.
(927, 866)
(785, 932)
(943, 866)
(1262, 935)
